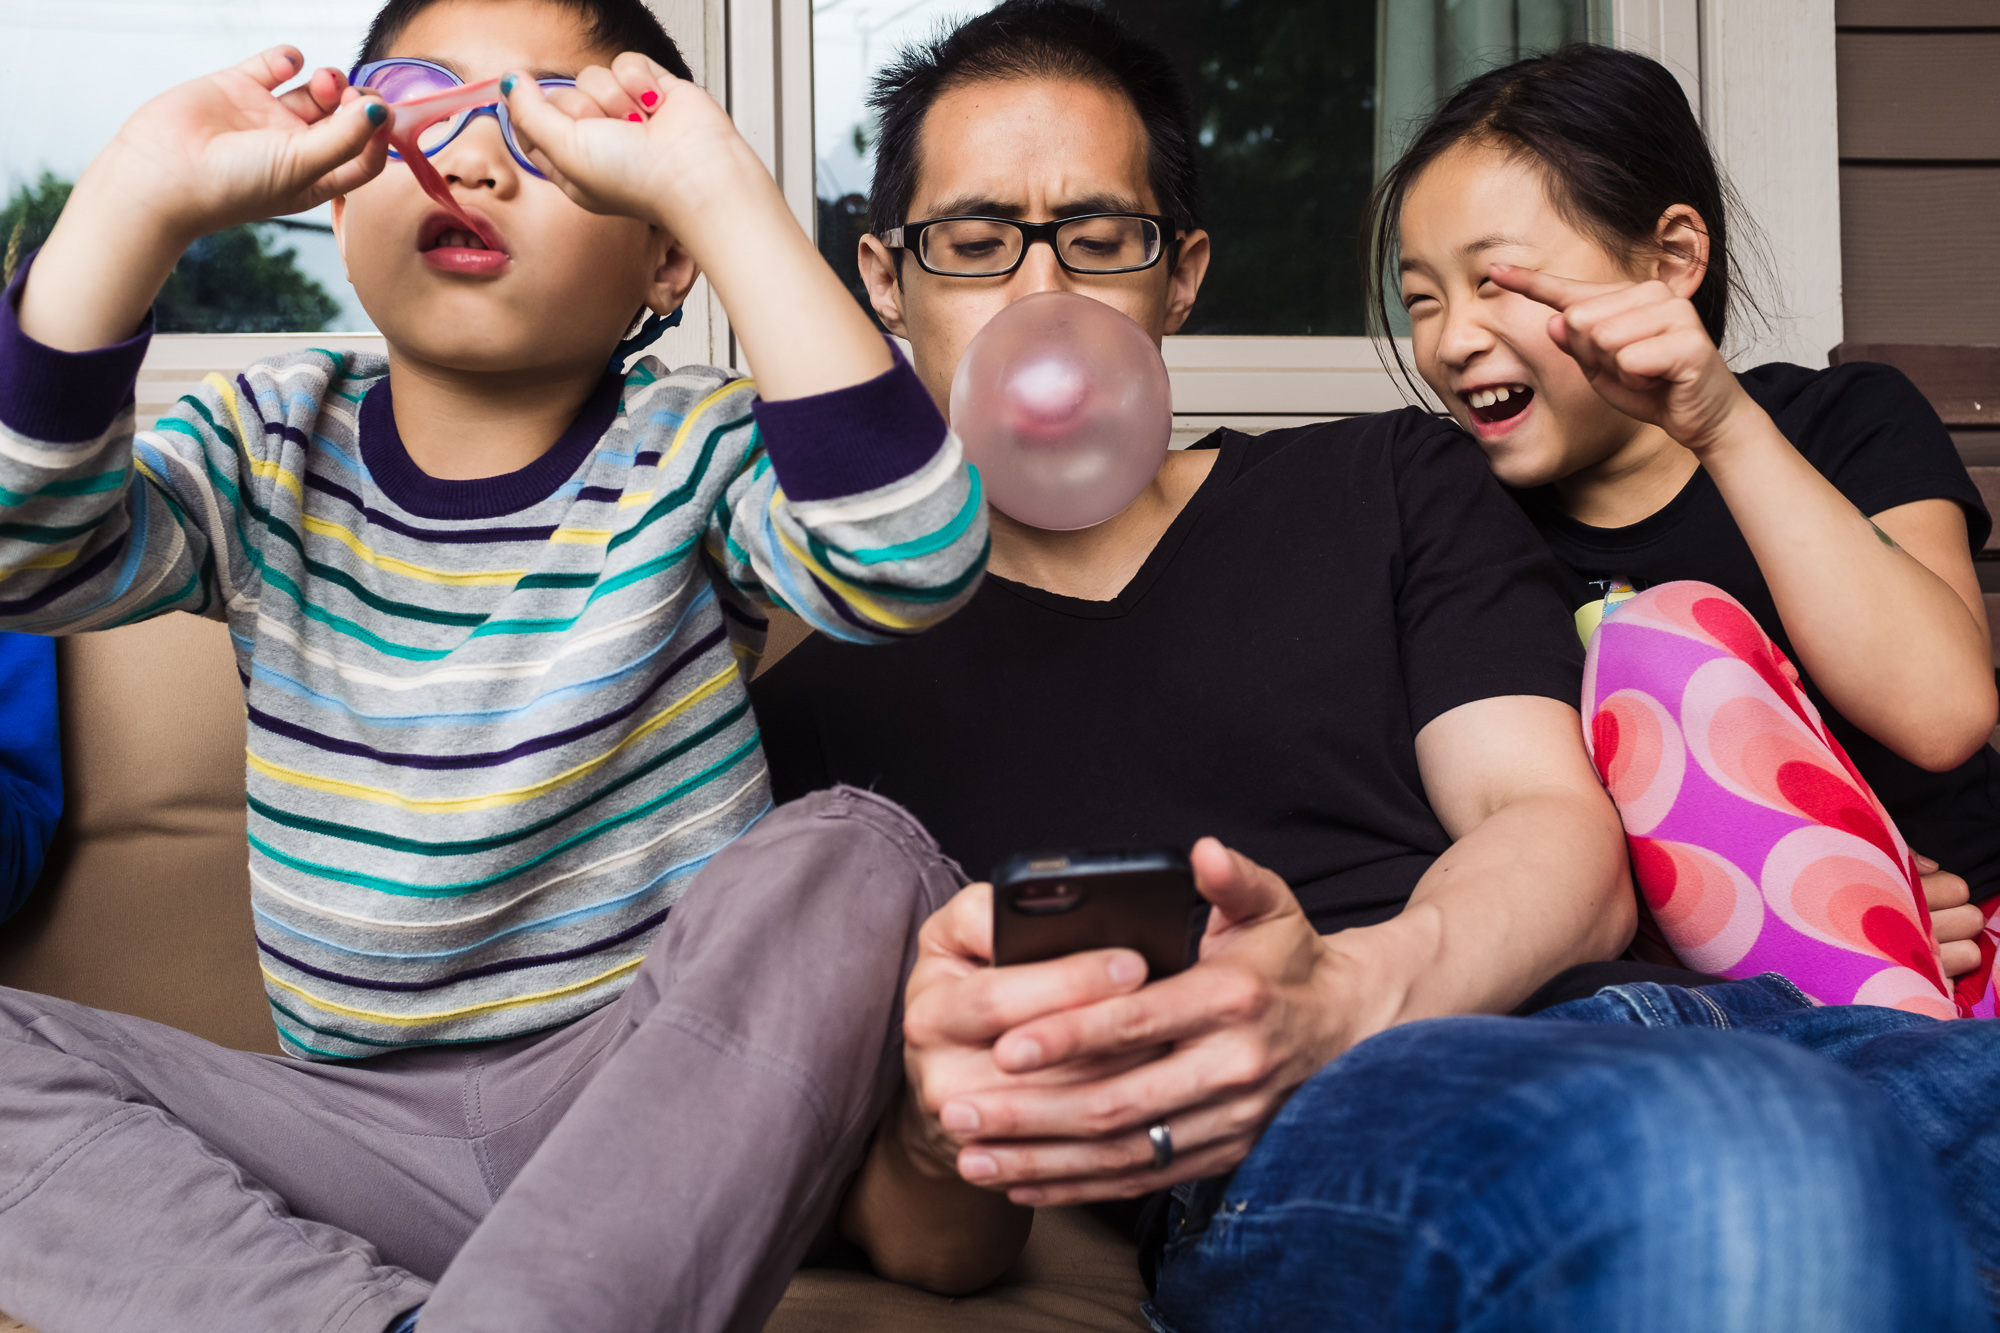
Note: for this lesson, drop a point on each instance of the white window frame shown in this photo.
(1760, 70)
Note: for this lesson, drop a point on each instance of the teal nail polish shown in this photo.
(377, 113)
(507, 85)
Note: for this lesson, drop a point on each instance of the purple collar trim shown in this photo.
(419, 493)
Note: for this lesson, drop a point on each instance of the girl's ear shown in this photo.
(1682, 238)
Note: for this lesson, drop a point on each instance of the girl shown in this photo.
(1560, 230)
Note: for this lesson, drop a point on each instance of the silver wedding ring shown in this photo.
(1163, 1146)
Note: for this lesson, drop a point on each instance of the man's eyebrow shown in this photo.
(982, 206)
(976, 206)
(1099, 203)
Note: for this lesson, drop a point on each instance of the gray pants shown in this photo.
(662, 1163)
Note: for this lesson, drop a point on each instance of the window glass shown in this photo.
(71, 72)
(1298, 104)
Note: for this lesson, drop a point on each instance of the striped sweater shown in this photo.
(495, 726)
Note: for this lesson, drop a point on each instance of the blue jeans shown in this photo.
(1651, 1158)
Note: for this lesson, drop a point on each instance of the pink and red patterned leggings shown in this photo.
(1755, 842)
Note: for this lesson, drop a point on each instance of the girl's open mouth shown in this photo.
(1499, 402)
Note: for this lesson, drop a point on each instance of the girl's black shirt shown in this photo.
(1870, 433)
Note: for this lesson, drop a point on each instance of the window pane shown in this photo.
(71, 72)
(1298, 104)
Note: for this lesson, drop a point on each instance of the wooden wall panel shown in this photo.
(1978, 448)
(1924, 95)
(1917, 248)
(1917, 13)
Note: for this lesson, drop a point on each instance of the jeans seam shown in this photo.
(1721, 1016)
(1805, 1001)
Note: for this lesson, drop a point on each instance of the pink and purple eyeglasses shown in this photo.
(429, 106)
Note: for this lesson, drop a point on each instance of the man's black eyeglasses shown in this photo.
(974, 247)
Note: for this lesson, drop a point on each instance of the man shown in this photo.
(1341, 649)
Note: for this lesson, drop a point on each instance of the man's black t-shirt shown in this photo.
(1869, 432)
(1326, 592)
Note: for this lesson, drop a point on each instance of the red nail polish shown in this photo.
(649, 97)
(636, 116)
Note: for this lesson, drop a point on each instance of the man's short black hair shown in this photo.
(615, 25)
(1036, 39)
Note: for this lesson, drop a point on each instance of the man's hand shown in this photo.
(957, 1006)
(920, 1221)
(1955, 919)
(1211, 1053)
(1641, 347)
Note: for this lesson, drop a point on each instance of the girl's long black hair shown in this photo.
(1614, 136)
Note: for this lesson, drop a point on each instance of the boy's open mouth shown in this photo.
(448, 245)
(1498, 402)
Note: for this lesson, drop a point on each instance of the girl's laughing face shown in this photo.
(1484, 351)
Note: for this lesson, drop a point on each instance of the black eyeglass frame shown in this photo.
(908, 236)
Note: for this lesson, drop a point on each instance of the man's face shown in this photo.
(1036, 150)
(569, 281)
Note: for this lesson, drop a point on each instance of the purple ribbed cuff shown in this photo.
(62, 397)
(854, 439)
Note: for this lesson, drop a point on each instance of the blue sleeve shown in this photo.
(30, 764)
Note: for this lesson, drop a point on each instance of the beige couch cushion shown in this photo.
(145, 909)
(144, 906)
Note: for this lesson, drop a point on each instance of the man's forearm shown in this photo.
(924, 1225)
(1539, 885)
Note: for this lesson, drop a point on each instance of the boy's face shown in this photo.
(569, 282)
(1033, 149)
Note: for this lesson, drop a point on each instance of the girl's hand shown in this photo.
(1956, 920)
(1642, 348)
(633, 140)
(221, 150)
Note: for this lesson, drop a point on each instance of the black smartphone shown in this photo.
(1061, 903)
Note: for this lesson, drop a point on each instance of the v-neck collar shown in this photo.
(1229, 455)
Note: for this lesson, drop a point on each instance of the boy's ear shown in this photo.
(883, 278)
(340, 233)
(1683, 250)
(674, 272)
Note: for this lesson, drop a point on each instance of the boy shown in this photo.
(489, 601)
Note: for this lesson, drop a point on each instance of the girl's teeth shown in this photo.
(1500, 395)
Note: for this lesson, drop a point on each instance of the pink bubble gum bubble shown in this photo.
(1065, 408)
(407, 122)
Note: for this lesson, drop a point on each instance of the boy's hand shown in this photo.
(209, 154)
(221, 150)
(632, 140)
(1641, 347)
